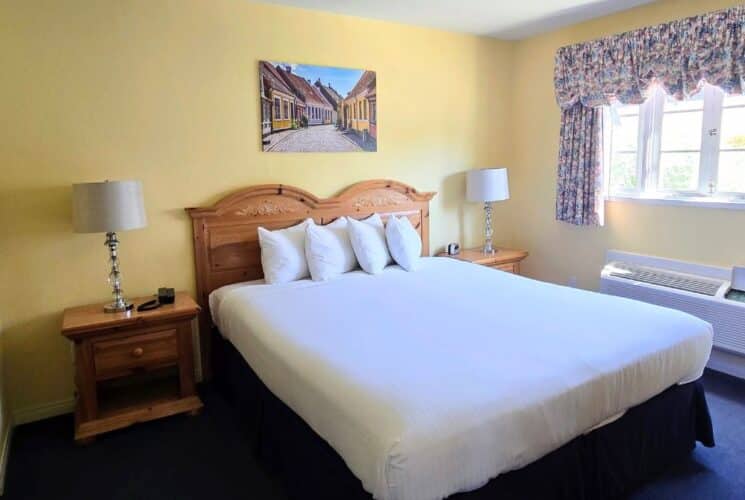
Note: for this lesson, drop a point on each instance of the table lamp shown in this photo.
(107, 207)
(487, 185)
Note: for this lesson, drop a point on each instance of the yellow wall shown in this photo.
(167, 92)
(5, 420)
(558, 250)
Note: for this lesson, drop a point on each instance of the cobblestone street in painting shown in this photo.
(319, 138)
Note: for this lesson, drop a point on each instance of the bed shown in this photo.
(452, 379)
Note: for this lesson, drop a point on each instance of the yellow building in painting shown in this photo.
(356, 106)
(278, 101)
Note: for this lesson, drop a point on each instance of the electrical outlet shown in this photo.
(572, 281)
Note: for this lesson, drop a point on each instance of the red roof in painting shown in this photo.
(303, 88)
(329, 92)
(320, 96)
(364, 86)
(270, 74)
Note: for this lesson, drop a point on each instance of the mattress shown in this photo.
(435, 381)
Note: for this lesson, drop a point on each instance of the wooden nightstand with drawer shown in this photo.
(504, 259)
(133, 366)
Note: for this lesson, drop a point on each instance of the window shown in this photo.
(372, 111)
(691, 150)
(277, 106)
(731, 171)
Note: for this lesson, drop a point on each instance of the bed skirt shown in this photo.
(606, 463)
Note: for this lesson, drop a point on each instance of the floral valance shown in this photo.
(677, 55)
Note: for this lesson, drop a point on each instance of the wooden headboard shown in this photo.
(226, 244)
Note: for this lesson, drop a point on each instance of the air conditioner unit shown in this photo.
(693, 288)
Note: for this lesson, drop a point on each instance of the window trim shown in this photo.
(701, 202)
(277, 109)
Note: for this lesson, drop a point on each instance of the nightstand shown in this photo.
(504, 259)
(131, 366)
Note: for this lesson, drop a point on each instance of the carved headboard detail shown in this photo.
(226, 246)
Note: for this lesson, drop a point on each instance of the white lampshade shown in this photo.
(102, 207)
(487, 184)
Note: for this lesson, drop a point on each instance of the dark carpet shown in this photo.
(208, 457)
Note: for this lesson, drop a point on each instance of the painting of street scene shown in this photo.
(308, 108)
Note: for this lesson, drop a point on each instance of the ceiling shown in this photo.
(505, 19)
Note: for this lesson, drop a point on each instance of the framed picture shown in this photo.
(317, 108)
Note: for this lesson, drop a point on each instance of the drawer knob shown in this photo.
(137, 352)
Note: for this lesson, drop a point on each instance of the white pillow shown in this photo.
(368, 241)
(283, 253)
(329, 250)
(404, 242)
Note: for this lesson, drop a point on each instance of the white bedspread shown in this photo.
(432, 382)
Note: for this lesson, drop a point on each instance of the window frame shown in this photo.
(648, 154)
(277, 109)
(736, 194)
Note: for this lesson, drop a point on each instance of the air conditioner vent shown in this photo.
(664, 278)
(696, 289)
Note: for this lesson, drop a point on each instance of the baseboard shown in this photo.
(40, 412)
(4, 451)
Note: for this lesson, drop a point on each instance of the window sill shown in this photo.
(681, 202)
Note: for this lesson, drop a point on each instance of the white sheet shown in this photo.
(217, 296)
(432, 382)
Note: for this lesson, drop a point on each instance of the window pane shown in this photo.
(625, 133)
(731, 172)
(623, 171)
(681, 130)
(626, 109)
(733, 128)
(679, 171)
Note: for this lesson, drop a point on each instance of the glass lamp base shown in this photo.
(115, 308)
